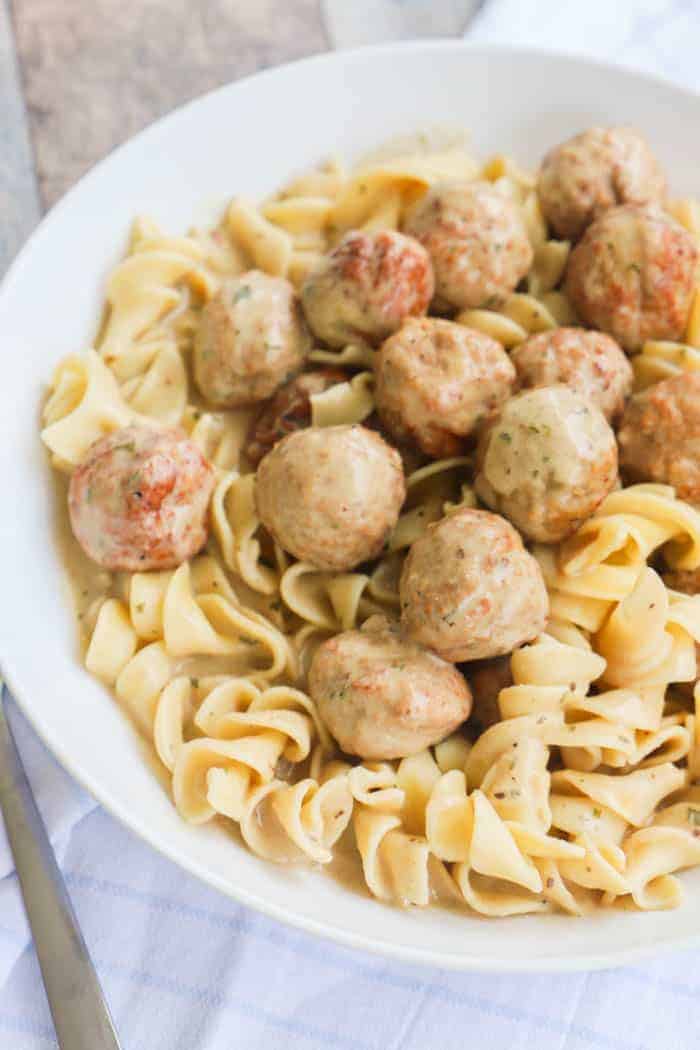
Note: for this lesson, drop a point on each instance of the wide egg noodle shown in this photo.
(84, 404)
(519, 316)
(431, 491)
(237, 528)
(323, 599)
(220, 435)
(344, 403)
(145, 287)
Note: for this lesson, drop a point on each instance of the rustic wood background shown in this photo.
(77, 77)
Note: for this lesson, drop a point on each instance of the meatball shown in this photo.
(487, 679)
(469, 589)
(383, 696)
(546, 462)
(251, 339)
(436, 381)
(594, 171)
(288, 410)
(366, 286)
(139, 499)
(687, 581)
(633, 275)
(590, 363)
(659, 435)
(476, 239)
(331, 496)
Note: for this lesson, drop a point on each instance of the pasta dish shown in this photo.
(384, 501)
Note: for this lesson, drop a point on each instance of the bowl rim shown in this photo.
(12, 674)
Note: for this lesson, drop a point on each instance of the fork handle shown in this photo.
(78, 1008)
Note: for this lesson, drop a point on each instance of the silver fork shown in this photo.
(351, 23)
(80, 1015)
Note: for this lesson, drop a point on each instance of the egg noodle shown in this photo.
(210, 659)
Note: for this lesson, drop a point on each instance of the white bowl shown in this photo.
(249, 137)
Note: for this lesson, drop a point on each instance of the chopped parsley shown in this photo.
(243, 292)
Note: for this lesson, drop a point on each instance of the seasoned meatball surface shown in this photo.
(251, 338)
(469, 589)
(288, 410)
(593, 171)
(331, 496)
(633, 275)
(383, 696)
(476, 239)
(589, 363)
(659, 435)
(139, 499)
(486, 680)
(436, 381)
(546, 462)
(687, 581)
(366, 286)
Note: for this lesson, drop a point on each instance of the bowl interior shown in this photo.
(248, 138)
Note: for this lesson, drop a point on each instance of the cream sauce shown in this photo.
(543, 442)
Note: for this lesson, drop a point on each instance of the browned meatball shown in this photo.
(594, 171)
(590, 363)
(476, 239)
(486, 680)
(385, 697)
(469, 589)
(289, 410)
(546, 462)
(366, 286)
(687, 581)
(436, 381)
(331, 496)
(659, 435)
(633, 275)
(251, 339)
(139, 499)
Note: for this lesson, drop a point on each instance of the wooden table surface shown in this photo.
(77, 77)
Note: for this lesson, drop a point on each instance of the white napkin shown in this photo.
(63, 804)
(660, 36)
(187, 969)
